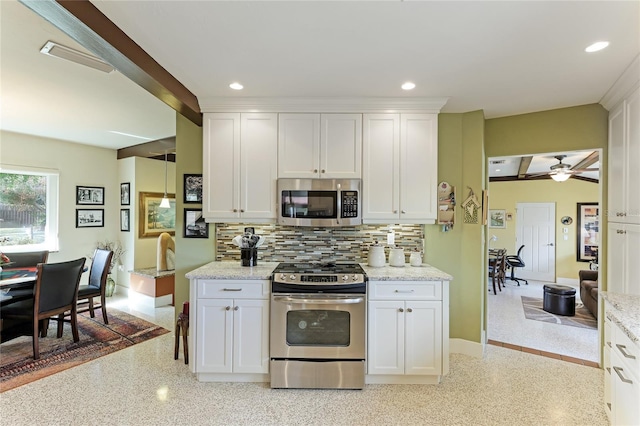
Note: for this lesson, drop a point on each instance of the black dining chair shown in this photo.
(21, 260)
(515, 261)
(97, 284)
(55, 292)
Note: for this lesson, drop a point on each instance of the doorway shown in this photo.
(533, 206)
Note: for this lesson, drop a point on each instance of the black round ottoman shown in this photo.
(559, 300)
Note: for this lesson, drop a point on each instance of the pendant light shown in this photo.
(164, 204)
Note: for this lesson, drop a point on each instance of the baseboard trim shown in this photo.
(466, 347)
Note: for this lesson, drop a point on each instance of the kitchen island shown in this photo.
(408, 323)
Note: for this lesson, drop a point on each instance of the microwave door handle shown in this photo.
(339, 204)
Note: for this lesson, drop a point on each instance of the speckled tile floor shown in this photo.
(506, 323)
(143, 385)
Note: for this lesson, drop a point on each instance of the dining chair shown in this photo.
(97, 284)
(55, 292)
(21, 260)
(497, 269)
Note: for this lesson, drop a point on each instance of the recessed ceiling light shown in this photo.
(236, 86)
(599, 45)
(408, 86)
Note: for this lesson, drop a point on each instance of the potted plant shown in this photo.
(118, 251)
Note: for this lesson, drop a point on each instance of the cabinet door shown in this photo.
(419, 167)
(298, 145)
(616, 164)
(214, 339)
(632, 156)
(258, 166)
(381, 167)
(423, 338)
(632, 266)
(616, 258)
(625, 394)
(341, 146)
(251, 336)
(221, 162)
(386, 337)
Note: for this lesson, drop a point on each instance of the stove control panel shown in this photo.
(311, 279)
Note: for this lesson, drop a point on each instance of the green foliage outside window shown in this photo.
(23, 208)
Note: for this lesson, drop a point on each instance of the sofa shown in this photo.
(589, 291)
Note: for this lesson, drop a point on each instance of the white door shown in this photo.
(423, 337)
(251, 336)
(386, 337)
(298, 145)
(536, 230)
(341, 146)
(213, 343)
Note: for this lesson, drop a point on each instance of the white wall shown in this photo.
(77, 165)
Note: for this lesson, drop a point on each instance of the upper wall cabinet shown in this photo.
(320, 146)
(624, 157)
(400, 158)
(240, 167)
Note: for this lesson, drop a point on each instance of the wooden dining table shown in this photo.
(16, 278)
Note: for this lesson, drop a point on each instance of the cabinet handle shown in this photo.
(241, 210)
(400, 310)
(409, 310)
(235, 308)
(227, 308)
(623, 349)
(395, 211)
(231, 289)
(315, 170)
(609, 344)
(235, 210)
(403, 212)
(619, 371)
(404, 291)
(323, 171)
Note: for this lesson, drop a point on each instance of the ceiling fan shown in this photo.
(562, 171)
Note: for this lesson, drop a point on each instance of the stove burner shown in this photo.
(328, 277)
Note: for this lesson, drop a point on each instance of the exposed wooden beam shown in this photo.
(593, 158)
(84, 23)
(524, 166)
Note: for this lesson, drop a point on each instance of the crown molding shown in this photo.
(304, 104)
(628, 81)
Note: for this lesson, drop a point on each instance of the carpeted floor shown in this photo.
(533, 311)
(17, 366)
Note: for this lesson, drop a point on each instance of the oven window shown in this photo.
(318, 328)
(309, 204)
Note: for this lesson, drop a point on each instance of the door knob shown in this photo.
(550, 244)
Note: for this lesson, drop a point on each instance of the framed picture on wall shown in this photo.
(91, 195)
(154, 220)
(194, 224)
(497, 219)
(89, 218)
(192, 189)
(125, 198)
(588, 232)
(124, 220)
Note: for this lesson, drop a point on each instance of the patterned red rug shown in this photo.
(17, 366)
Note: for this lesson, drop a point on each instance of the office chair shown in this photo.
(516, 262)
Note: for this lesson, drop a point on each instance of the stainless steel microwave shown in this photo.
(319, 202)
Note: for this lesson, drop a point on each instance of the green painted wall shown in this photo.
(191, 253)
(460, 251)
(566, 129)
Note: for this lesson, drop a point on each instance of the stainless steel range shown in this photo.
(318, 315)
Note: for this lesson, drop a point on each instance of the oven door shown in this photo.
(318, 326)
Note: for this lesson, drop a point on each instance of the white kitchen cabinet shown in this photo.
(623, 372)
(624, 157)
(320, 146)
(407, 332)
(231, 330)
(623, 242)
(240, 167)
(400, 168)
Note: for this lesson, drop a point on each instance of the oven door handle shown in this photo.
(320, 301)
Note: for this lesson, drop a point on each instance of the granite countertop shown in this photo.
(153, 272)
(625, 313)
(425, 272)
(233, 271)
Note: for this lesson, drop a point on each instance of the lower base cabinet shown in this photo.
(408, 332)
(231, 334)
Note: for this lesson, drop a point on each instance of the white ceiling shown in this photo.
(541, 163)
(505, 58)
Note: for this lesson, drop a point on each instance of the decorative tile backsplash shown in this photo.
(289, 243)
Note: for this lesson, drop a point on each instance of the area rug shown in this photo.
(533, 311)
(17, 366)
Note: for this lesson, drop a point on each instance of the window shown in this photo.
(28, 209)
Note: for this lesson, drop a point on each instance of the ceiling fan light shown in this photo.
(560, 176)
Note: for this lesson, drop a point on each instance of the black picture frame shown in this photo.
(89, 218)
(194, 224)
(125, 194)
(90, 195)
(587, 232)
(192, 189)
(125, 220)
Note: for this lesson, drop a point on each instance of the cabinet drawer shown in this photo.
(627, 351)
(405, 290)
(236, 289)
